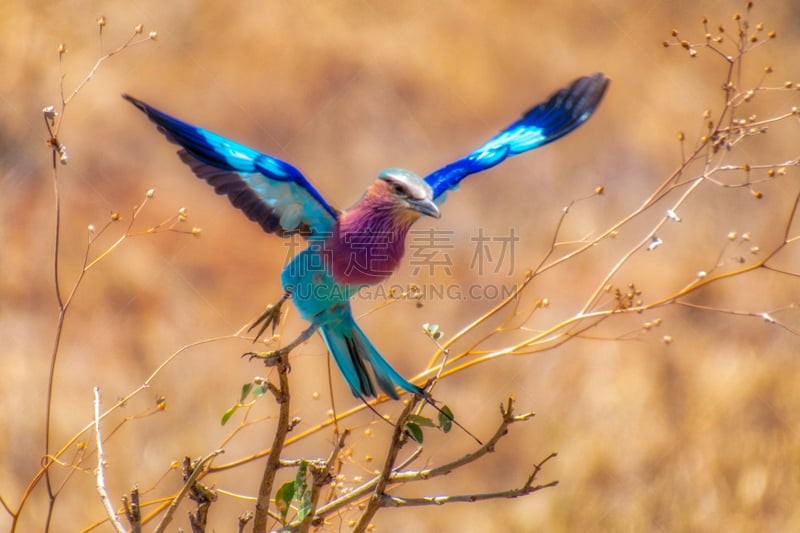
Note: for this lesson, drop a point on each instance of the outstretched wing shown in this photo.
(564, 111)
(269, 191)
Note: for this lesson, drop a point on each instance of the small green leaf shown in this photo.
(305, 506)
(301, 493)
(283, 499)
(245, 391)
(446, 419)
(259, 391)
(414, 431)
(431, 330)
(420, 420)
(300, 484)
(228, 414)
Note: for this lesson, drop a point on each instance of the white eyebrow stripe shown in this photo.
(412, 185)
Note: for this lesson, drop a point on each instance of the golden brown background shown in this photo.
(694, 435)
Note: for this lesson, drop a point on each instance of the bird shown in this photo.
(363, 245)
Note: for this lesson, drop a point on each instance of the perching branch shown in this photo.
(281, 393)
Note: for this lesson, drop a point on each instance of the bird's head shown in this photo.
(407, 192)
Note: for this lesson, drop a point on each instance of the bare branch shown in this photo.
(278, 442)
(187, 486)
(100, 474)
(508, 418)
(133, 512)
(397, 476)
(524, 490)
(398, 439)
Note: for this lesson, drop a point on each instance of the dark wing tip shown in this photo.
(138, 103)
(569, 107)
(590, 91)
(581, 96)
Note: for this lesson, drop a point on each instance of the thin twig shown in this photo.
(397, 476)
(133, 510)
(53, 122)
(187, 486)
(100, 477)
(524, 490)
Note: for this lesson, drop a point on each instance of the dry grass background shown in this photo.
(694, 435)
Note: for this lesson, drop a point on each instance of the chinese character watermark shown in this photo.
(428, 250)
(493, 250)
(370, 253)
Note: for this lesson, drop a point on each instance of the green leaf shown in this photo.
(300, 484)
(420, 420)
(432, 330)
(228, 414)
(446, 419)
(414, 431)
(305, 506)
(283, 499)
(245, 391)
(301, 493)
(259, 391)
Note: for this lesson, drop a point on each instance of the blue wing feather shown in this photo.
(560, 114)
(269, 191)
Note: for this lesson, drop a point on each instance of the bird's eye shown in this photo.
(398, 189)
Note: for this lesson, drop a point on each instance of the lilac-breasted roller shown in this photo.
(364, 244)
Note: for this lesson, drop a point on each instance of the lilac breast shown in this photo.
(367, 254)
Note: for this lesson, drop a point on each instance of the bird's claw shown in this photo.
(273, 358)
(271, 316)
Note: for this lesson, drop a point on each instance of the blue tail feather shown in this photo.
(350, 349)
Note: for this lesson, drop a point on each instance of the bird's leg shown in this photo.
(271, 358)
(271, 316)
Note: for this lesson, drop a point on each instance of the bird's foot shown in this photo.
(272, 358)
(272, 316)
(281, 355)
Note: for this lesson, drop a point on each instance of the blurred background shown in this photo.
(691, 434)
